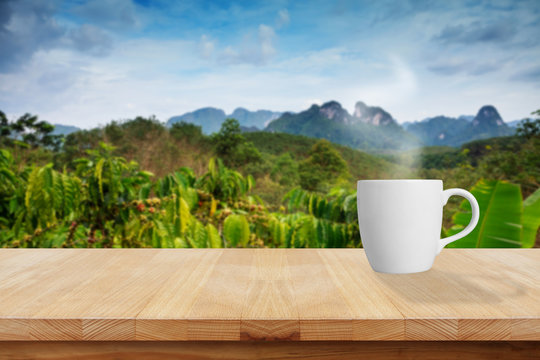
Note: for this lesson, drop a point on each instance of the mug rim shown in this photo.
(399, 180)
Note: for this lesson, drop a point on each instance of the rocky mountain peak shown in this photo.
(239, 111)
(360, 109)
(373, 115)
(488, 116)
(334, 111)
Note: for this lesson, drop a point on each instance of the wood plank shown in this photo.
(373, 319)
(115, 293)
(322, 310)
(219, 303)
(270, 311)
(283, 350)
(165, 315)
(265, 294)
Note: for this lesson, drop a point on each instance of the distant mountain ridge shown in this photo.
(60, 129)
(447, 131)
(210, 119)
(369, 128)
(366, 128)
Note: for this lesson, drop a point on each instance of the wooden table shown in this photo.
(265, 303)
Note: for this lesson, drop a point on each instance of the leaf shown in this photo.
(213, 206)
(32, 184)
(144, 191)
(214, 239)
(191, 197)
(183, 215)
(197, 235)
(305, 233)
(99, 175)
(236, 230)
(499, 225)
(531, 219)
(180, 242)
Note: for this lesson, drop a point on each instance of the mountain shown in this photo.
(259, 118)
(332, 110)
(369, 128)
(438, 130)
(64, 129)
(447, 131)
(210, 119)
(466, 117)
(373, 115)
(249, 129)
(514, 123)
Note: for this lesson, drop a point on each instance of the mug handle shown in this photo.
(474, 219)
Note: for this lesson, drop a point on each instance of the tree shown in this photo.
(285, 171)
(228, 138)
(190, 132)
(5, 128)
(529, 128)
(324, 166)
(232, 146)
(29, 130)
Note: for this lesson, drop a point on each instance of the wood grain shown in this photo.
(265, 294)
(270, 350)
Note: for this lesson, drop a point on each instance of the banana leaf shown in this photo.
(499, 225)
(531, 219)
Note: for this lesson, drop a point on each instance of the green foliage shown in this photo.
(232, 146)
(531, 219)
(223, 183)
(326, 221)
(236, 230)
(91, 194)
(324, 166)
(214, 239)
(528, 127)
(517, 164)
(285, 170)
(361, 164)
(502, 223)
(27, 130)
(228, 138)
(442, 158)
(186, 131)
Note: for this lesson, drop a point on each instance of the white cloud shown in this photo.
(206, 47)
(90, 39)
(283, 18)
(251, 51)
(66, 87)
(266, 38)
(145, 76)
(27, 27)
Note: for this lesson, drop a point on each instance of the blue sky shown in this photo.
(85, 62)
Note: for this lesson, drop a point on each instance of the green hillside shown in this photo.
(362, 165)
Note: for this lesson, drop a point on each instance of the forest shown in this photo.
(139, 183)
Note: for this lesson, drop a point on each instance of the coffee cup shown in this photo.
(400, 222)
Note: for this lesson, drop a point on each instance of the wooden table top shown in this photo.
(266, 294)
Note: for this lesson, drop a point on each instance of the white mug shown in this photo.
(400, 222)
